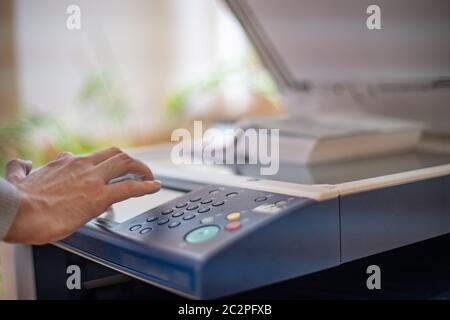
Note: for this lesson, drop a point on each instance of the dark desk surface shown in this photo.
(419, 271)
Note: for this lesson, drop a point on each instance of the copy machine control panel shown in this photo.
(209, 214)
(185, 241)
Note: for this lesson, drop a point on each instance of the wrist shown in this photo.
(18, 230)
(10, 201)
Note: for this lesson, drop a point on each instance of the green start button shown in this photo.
(202, 234)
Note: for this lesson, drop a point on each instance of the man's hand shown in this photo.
(65, 194)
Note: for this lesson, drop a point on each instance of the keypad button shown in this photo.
(234, 216)
(214, 191)
(145, 230)
(181, 205)
(135, 227)
(202, 234)
(178, 214)
(207, 220)
(168, 211)
(260, 199)
(203, 210)
(174, 224)
(218, 203)
(196, 199)
(233, 226)
(268, 209)
(206, 201)
(281, 203)
(151, 219)
(231, 194)
(163, 221)
(189, 217)
(190, 208)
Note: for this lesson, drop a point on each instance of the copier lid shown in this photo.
(323, 42)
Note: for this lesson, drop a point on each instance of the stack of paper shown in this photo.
(316, 138)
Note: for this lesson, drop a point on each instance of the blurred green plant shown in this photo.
(249, 70)
(14, 138)
(22, 137)
(101, 89)
(36, 136)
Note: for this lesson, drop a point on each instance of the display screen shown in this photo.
(130, 208)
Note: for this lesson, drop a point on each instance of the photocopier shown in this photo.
(216, 230)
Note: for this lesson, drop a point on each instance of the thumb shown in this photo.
(17, 169)
(128, 189)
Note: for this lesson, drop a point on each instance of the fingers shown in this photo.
(18, 169)
(64, 155)
(122, 164)
(128, 189)
(103, 155)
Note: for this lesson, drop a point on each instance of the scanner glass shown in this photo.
(324, 173)
(348, 171)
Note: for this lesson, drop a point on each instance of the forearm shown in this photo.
(9, 206)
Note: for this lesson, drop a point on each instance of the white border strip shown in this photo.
(393, 179)
(316, 192)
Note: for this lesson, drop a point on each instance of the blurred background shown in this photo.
(138, 69)
(135, 70)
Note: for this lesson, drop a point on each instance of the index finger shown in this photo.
(122, 164)
(103, 155)
(129, 189)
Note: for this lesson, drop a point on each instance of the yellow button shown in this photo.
(234, 216)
